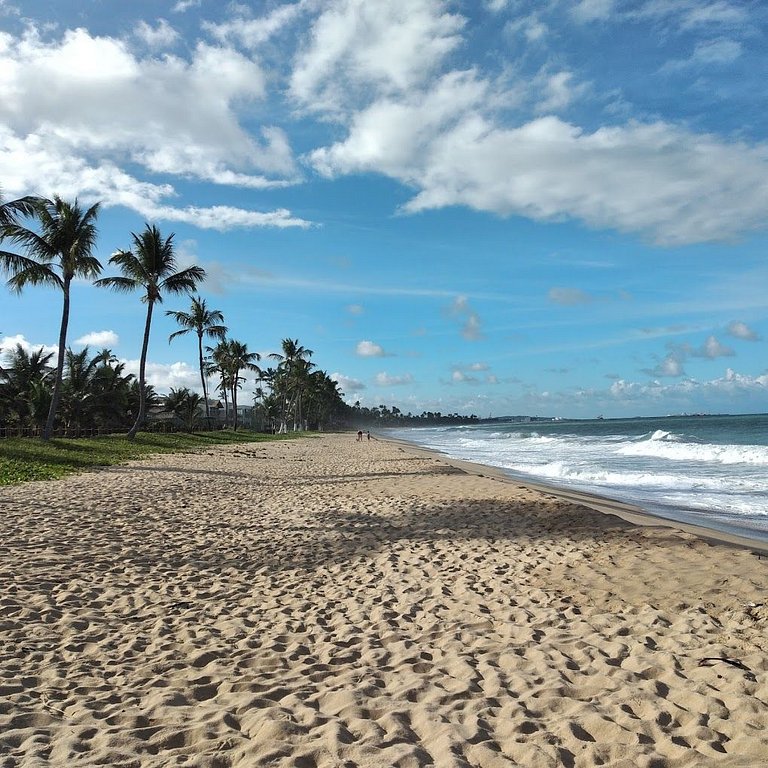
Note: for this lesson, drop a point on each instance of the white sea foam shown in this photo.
(716, 478)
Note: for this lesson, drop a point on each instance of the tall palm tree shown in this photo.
(218, 362)
(240, 359)
(204, 322)
(292, 358)
(151, 267)
(60, 252)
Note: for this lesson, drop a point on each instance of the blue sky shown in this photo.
(493, 207)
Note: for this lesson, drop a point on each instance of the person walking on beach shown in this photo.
(359, 435)
(369, 434)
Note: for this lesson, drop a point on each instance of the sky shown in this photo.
(489, 207)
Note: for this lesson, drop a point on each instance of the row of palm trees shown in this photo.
(60, 248)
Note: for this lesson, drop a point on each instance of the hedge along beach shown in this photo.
(321, 602)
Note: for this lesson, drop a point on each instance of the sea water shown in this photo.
(711, 471)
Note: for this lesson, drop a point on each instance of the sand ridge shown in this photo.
(322, 602)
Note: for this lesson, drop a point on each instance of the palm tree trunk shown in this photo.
(48, 430)
(142, 374)
(234, 402)
(202, 379)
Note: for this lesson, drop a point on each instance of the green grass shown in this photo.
(26, 458)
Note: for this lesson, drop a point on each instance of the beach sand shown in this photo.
(324, 603)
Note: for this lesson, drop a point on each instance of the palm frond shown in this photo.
(184, 281)
(34, 274)
(119, 284)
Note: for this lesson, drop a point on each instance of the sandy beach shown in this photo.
(324, 603)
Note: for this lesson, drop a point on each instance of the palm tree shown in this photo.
(184, 405)
(240, 359)
(218, 362)
(150, 266)
(204, 322)
(293, 357)
(55, 256)
(25, 393)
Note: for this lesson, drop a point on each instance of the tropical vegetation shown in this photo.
(86, 394)
(51, 242)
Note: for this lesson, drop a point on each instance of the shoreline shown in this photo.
(626, 511)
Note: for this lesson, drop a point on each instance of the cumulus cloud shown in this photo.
(471, 329)
(72, 137)
(161, 36)
(369, 349)
(9, 343)
(165, 376)
(99, 339)
(558, 90)
(384, 379)
(357, 47)
(665, 182)
(741, 330)
(670, 366)
(712, 349)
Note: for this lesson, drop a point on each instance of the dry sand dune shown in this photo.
(325, 603)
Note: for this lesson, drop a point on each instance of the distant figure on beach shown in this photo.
(369, 434)
(359, 435)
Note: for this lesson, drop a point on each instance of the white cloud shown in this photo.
(254, 32)
(369, 349)
(184, 5)
(71, 137)
(161, 36)
(593, 10)
(355, 309)
(558, 90)
(532, 27)
(383, 379)
(347, 383)
(712, 349)
(472, 328)
(9, 343)
(356, 46)
(47, 167)
(165, 376)
(721, 391)
(98, 339)
(741, 330)
(444, 139)
(671, 365)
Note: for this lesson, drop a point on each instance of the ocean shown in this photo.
(711, 471)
